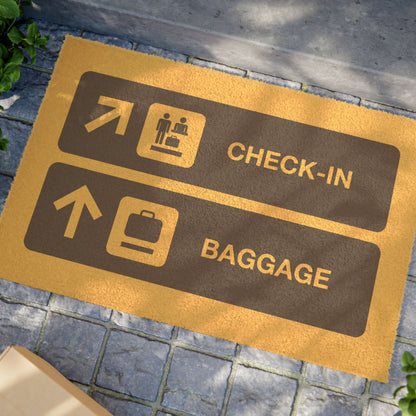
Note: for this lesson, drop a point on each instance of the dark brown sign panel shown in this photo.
(223, 253)
(280, 162)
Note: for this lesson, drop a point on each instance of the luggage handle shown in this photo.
(150, 213)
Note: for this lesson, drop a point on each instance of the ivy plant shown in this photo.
(408, 403)
(19, 38)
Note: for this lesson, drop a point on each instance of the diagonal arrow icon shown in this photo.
(80, 197)
(121, 109)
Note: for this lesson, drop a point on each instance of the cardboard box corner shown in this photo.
(31, 386)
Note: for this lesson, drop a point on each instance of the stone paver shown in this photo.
(21, 292)
(19, 325)
(151, 50)
(72, 346)
(109, 40)
(142, 324)
(407, 325)
(120, 407)
(334, 95)
(132, 365)
(347, 382)
(377, 408)
(82, 308)
(412, 265)
(24, 98)
(218, 67)
(315, 401)
(275, 80)
(5, 185)
(396, 377)
(196, 383)
(206, 342)
(270, 359)
(18, 134)
(388, 109)
(57, 35)
(256, 392)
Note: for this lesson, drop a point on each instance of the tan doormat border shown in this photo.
(245, 211)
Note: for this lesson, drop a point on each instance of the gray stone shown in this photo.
(21, 292)
(407, 325)
(219, 67)
(57, 35)
(118, 407)
(256, 392)
(347, 382)
(396, 378)
(322, 92)
(19, 325)
(82, 308)
(24, 98)
(315, 401)
(132, 365)
(365, 46)
(196, 383)
(85, 389)
(388, 109)
(109, 40)
(18, 134)
(267, 358)
(275, 81)
(412, 265)
(163, 414)
(207, 342)
(72, 346)
(142, 324)
(5, 185)
(151, 50)
(377, 408)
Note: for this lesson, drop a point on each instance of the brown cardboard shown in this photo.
(29, 386)
(329, 241)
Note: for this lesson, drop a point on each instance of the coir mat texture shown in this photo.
(249, 212)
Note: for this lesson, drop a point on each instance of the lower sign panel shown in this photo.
(207, 249)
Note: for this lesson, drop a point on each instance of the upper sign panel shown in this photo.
(239, 152)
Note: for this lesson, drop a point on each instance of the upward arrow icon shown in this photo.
(121, 109)
(80, 197)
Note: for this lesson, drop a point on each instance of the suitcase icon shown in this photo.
(142, 231)
(143, 227)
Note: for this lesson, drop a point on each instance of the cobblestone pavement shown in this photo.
(134, 366)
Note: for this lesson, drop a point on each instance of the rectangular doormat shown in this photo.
(246, 211)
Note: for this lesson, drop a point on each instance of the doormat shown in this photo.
(246, 211)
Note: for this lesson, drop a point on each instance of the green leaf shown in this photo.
(3, 51)
(408, 362)
(13, 72)
(32, 53)
(3, 144)
(412, 408)
(411, 382)
(5, 84)
(9, 9)
(404, 405)
(17, 57)
(15, 35)
(32, 31)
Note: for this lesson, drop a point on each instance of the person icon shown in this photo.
(162, 128)
(181, 128)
